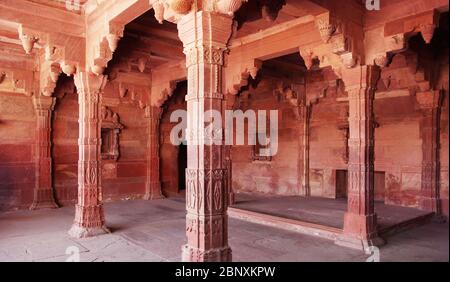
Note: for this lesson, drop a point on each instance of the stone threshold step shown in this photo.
(303, 227)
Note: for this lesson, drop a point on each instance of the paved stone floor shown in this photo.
(154, 231)
(328, 212)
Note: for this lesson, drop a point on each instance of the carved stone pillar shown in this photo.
(89, 215)
(153, 184)
(205, 36)
(230, 103)
(430, 103)
(360, 221)
(305, 117)
(43, 191)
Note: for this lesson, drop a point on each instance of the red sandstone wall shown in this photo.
(17, 134)
(279, 176)
(398, 149)
(125, 179)
(328, 134)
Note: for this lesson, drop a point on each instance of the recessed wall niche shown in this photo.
(110, 132)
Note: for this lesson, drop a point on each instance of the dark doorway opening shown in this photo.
(341, 183)
(182, 165)
(379, 180)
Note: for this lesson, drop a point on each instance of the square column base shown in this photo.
(44, 205)
(360, 232)
(357, 243)
(190, 254)
(43, 199)
(153, 191)
(85, 232)
(149, 197)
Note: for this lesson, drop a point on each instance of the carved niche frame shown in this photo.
(110, 131)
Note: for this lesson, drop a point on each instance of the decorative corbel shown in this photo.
(427, 31)
(325, 27)
(181, 7)
(55, 71)
(114, 36)
(28, 39)
(104, 48)
(68, 68)
(241, 75)
(142, 62)
(309, 57)
(229, 7)
(159, 9)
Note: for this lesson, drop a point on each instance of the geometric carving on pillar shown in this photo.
(153, 183)
(43, 191)
(360, 220)
(89, 214)
(430, 104)
(205, 37)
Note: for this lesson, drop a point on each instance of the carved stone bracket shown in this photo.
(104, 44)
(238, 75)
(173, 10)
(394, 36)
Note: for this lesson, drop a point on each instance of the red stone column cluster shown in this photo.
(153, 184)
(430, 103)
(43, 191)
(360, 221)
(89, 215)
(205, 36)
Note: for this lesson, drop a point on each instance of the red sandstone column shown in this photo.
(229, 101)
(360, 221)
(430, 103)
(305, 116)
(205, 36)
(43, 191)
(153, 184)
(89, 215)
